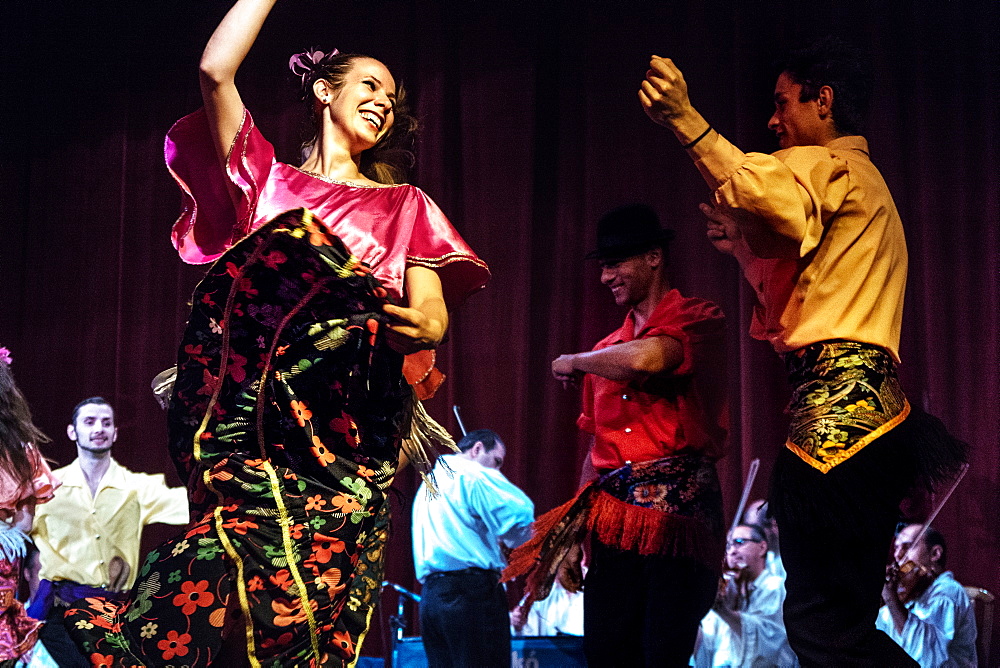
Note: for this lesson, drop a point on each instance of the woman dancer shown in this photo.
(289, 404)
(25, 479)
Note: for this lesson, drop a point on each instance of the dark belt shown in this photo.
(471, 570)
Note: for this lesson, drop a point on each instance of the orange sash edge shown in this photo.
(825, 467)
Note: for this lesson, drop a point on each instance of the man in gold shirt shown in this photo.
(88, 536)
(819, 238)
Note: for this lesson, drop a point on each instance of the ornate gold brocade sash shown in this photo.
(846, 394)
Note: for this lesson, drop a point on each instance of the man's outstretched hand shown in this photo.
(722, 231)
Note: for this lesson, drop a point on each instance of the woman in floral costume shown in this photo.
(25, 480)
(290, 404)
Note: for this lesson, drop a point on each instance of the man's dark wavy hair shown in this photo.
(95, 401)
(487, 437)
(841, 66)
(932, 538)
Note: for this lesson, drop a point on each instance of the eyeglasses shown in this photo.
(741, 541)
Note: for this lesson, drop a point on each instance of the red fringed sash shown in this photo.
(649, 531)
(671, 506)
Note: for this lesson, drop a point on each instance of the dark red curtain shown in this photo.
(531, 129)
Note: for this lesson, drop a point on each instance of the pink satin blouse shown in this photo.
(389, 228)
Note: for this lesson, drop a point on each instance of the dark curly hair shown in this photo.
(389, 160)
(841, 66)
(17, 431)
(487, 437)
(934, 538)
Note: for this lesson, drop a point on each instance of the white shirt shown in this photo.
(475, 510)
(559, 613)
(763, 642)
(775, 565)
(941, 627)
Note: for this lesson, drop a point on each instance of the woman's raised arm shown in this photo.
(223, 55)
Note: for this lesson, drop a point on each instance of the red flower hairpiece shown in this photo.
(5, 355)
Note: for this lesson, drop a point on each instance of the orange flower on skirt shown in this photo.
(175, 644)
(194, 596)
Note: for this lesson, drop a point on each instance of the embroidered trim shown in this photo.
(447, 258)
(361, 638)
(327, 179)
(241, 589)
(284, 521)
(224, 360)
(185, 208)
(855, 449)
(243, 227)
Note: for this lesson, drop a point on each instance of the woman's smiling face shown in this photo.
(362, 109)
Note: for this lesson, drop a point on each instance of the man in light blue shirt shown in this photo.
(456, 550)
(935, 622)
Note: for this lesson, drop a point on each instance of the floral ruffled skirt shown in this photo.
(18, 631)
(285, 419)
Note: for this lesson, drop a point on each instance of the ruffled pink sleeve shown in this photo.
(44, 483)
(41, 487)
(209, 223)
(435, 243)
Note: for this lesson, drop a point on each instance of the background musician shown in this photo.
(457, 534)
(744, 627)
(926, 611)
(757, 512)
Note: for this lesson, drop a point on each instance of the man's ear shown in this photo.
(824, 101)
(936, 553)
(71, 432)
(654, 256)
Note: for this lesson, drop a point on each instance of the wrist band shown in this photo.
(700, 137)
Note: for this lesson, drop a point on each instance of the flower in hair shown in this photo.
(5, 355)
(305, 63)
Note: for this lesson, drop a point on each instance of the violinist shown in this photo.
(926, 611)
(745, 627)
(758, 513)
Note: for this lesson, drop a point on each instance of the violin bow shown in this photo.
(751, 475)
(940, 504)
(461, 425)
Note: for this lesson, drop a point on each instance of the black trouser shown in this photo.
(835, 537)
(57, 641)
(464, 620)
(643, 610)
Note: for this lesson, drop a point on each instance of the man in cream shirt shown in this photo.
(88, 536)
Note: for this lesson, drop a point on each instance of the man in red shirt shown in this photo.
(653, 397)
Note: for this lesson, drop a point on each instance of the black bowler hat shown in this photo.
(627, 231)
